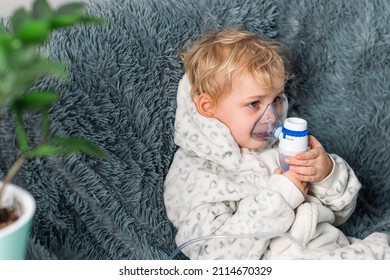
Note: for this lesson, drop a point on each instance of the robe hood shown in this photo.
(203, 137)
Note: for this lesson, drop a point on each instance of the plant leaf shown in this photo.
(6, 95)
(22, 57)
(43, 150)
(34, 31)
(18, 18)
(34, 101)
(20, 132)
(41, 10)
(3, 59)
(61, 21)
(2, 29)
(72, 8)
(6, 39)
(52, 68)
(74, 144)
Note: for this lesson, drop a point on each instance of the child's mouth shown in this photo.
(261, 136)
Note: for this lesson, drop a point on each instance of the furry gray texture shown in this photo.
(122, 96)
(340, 55)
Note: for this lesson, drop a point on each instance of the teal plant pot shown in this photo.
(14, 237)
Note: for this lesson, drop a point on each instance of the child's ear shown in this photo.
(205, 105)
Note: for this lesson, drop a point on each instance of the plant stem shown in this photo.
(10, 175)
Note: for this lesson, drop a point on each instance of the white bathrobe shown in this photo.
(215, 188)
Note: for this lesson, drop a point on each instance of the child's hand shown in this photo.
(313, 165)
(302, 186)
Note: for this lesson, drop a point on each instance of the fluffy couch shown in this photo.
(122, 92)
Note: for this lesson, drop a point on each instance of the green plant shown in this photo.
(23, 62)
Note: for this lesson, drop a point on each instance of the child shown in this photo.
(225, 182)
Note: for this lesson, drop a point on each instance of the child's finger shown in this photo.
(305, 158)
(303, 170)
(278, 171)
(312, 154)
(313, 142)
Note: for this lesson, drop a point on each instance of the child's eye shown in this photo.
(254, 104)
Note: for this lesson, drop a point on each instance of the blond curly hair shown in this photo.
(213, 60)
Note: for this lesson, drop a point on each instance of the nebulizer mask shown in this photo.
(269, 124)
(292, 134)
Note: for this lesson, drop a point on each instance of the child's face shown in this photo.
(244, 105)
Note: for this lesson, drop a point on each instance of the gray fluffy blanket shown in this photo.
(121, 95)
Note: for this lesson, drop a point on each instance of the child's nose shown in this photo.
(269, 115)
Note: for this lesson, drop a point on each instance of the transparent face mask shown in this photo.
(270, 122)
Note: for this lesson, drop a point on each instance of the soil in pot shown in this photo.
(7, 217)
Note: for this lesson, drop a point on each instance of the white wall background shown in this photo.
(8, 6)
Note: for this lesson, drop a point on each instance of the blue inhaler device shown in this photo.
(293, 139)
(292, 135)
